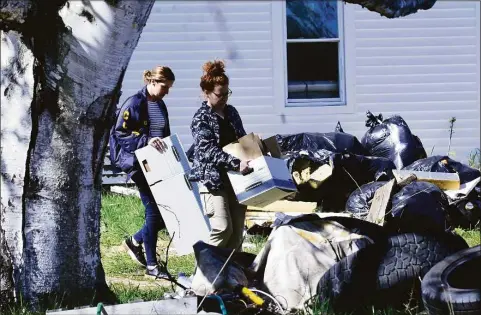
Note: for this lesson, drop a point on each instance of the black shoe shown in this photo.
(135, 252)
(157, 273)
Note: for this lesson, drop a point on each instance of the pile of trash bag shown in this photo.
(359, 166)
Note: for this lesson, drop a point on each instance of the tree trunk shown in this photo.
(61, 75)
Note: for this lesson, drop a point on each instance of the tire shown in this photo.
(350, 283)
(453, 285)
(384, 273)
(408, 258)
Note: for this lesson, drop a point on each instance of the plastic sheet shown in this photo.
(210, 260)
(392, 139)
(394, 9)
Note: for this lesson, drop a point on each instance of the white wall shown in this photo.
(424, 67)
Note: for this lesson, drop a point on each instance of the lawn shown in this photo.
(124, 215)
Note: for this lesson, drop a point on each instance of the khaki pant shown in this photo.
(226, 218)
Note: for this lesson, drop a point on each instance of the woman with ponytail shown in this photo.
(143, 120)
(214, 125)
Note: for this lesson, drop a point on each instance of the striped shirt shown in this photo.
(157, 119)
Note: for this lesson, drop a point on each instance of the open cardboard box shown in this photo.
(251, 146)
(270, 180)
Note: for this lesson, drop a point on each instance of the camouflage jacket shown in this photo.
(209, 159)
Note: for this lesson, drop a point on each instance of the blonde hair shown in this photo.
(214, 74)
(159, 73)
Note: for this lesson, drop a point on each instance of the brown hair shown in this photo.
(214, 74)
(159, 73)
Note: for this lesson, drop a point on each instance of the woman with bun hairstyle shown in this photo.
(143, 120)
(214, 125)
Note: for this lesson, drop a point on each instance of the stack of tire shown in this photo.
(388, 274)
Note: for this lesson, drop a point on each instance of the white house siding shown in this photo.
(424, 67)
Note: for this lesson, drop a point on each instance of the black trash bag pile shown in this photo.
(336, 142)
(391, 138)
(349, 171)
(359, 201)
(419, 207)
(444, 164)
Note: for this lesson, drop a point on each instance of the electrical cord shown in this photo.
(221, 303)
(271, 297)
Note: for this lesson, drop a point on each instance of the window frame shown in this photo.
(341, 100)
(343, 104)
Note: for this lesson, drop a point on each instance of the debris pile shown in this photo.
(370, 219)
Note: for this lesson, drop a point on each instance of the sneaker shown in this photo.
(156, 273)
(135, 252)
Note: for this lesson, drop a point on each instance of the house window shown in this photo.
(315, 68)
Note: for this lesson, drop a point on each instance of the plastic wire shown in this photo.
(100, 307)
(221, 303)
(281, 309)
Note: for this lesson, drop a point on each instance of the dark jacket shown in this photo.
(209, 159)
(131, 131)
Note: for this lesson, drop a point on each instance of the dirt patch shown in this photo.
(138, 283)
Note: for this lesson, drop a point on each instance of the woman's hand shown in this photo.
(157, 143)
(244, 167)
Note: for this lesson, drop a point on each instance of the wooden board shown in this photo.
(445, 181)
(126, 191)
(287, 206)
(379, 203)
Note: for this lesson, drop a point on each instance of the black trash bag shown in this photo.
(211, 260)
(419, 207)
(337, 142)
(359, 202)
(349, 171)
(468, 210)
(392, 139)
(444, 164)
(260, 230)
(339, 127)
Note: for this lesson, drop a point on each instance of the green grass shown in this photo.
(123, 216)
(131, 293)
(472, 237)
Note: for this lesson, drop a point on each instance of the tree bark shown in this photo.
(60, 81)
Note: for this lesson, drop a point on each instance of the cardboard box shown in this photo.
(270, 181)
(158, 166)
(178, 199)
(251, 146)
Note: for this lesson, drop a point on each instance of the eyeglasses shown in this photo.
(223, 95)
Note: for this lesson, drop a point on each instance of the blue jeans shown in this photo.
(153, 220)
